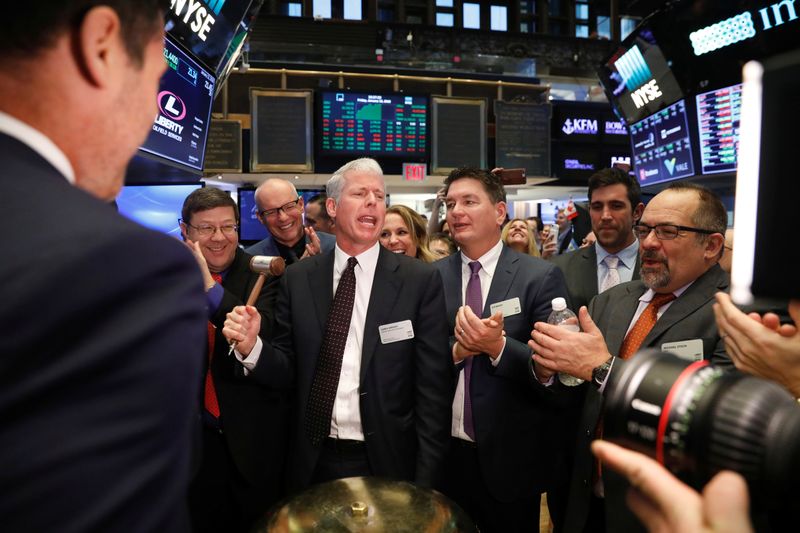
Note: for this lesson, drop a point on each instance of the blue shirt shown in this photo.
(627, 262)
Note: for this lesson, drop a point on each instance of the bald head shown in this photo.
(280, 210)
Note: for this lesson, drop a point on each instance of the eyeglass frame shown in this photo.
(676, 226)
(235, 228)
(266, 213)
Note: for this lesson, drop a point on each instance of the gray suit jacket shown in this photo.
(689, 317)
(580, 270)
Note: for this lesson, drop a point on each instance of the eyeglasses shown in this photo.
(665, 232)
(205, 230)
(287, 208)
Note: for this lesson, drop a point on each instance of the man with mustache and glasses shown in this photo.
(614, 206)
(670, 308)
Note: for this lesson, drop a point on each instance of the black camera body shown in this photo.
(697, 419)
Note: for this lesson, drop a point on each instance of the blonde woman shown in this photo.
(404, 232)
(517, 236)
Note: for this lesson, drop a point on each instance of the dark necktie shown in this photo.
(474, 299)
(329, 362)
(210, 394)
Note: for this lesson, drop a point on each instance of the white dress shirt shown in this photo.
(346, 417)
(39, 143)
(488, 263)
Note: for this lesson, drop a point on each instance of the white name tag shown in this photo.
(399, 331)
(508, 308)
(691, 350)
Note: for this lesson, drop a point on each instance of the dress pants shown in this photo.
(464, 484)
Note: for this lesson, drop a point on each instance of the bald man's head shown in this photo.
(280, 209)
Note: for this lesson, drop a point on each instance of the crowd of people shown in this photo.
(139, 393)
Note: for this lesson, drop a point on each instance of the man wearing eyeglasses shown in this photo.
(245, 425)
(669, 308)
(280, 210)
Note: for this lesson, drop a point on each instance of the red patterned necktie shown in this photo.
(329, 362)
(210, 397)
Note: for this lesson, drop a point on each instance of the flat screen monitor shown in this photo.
(372, 124)
(156, 206)
(637, 77)
(206, 28)
(185, 95)
(251, 229)
(718, 114)
(661, 147)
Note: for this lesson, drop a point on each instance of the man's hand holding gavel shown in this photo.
(241, 327)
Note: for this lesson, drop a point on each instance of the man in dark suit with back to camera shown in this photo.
(504, 429)
(614, 205)
(280, 210)
(103, 320)
(245, 425)
(670, 308)
(360, 334)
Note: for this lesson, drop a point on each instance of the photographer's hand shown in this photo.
(663, 503)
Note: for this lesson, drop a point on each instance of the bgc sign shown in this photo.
(198, 16)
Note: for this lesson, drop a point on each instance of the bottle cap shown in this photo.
(559, 304)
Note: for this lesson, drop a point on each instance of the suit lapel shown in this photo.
(588, 272)
(621, 317)
(320, 279)
(385, 289)
(452, 287)
(504, 274)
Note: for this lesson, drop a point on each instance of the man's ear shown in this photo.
(637, 212)
(330, 207)
(501, 209)
(714, 244)
(99, 47)
(183, 230)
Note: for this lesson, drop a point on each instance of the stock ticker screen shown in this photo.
(662, 150)
(185, 96)
(373, 124)
(718, 114)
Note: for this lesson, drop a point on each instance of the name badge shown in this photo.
(691, 350)
(398, 331)
(508, 307)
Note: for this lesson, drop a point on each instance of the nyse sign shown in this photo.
(645, 94)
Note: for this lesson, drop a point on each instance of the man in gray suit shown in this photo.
(670, 308)
(280, 210)
(614, 205)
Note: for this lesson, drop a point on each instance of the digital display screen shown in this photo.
(718, 114)
(185, 95)
(156, 207)
(373, 124)
(250, 228)
(661, 147)
(206, 27)
(637, 77)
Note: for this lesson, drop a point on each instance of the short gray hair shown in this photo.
(335, 185)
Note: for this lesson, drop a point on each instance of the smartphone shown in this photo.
(513, 176)
(553, 232)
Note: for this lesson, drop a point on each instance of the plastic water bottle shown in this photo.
(563, 317)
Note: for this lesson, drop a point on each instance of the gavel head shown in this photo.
(267, 264)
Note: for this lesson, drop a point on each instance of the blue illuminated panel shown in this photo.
(661, 147)
(718, 115)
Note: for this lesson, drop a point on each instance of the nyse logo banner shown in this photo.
(579, 126)
(637, 77)
(199, 16)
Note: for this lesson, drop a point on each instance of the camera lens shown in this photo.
(697, 419)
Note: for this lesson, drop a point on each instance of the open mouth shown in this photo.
(368, 221)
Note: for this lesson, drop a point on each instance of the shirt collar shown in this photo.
(38, 142)
(488, 260)
(627, 256)
(648, 295)
(367, 260)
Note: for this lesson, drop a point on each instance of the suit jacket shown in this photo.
(516, 418)
(688, 317)
(580, 270)
(268, 246)
(255, 419)
(100, 360)
(405, 389)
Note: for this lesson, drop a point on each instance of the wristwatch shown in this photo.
(599, 373)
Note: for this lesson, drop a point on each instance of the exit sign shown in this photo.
(414, 171)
